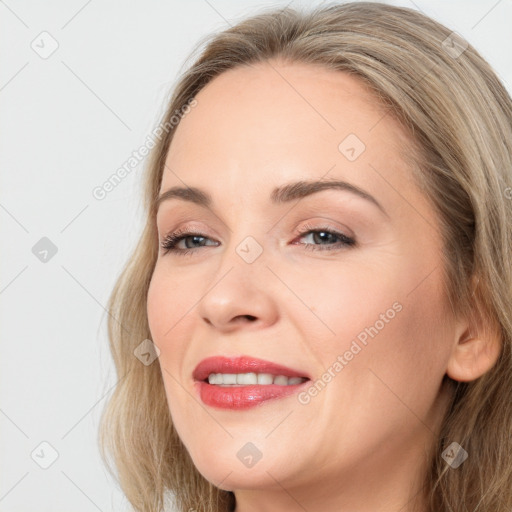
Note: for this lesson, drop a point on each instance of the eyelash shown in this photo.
(171, 240)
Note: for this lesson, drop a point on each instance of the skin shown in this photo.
(360, 444)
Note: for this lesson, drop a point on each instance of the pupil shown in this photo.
(195, 238)
(320, 237)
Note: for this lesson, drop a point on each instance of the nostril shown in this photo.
(239, 318)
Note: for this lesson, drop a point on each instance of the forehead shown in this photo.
(256, 126)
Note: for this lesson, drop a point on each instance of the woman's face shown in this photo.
(361, 312)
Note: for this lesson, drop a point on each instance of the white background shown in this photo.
(67, 123)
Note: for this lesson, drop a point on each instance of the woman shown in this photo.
(317, 316)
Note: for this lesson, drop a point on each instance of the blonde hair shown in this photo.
(459, 116)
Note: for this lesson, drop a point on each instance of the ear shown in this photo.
(477, 344)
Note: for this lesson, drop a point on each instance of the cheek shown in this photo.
(393, 340)
(157, 305)
(345, 302)
(167, 306)
(391, 317)
(403, 334)
(169, 299)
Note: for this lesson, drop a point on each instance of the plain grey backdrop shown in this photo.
(82, 84)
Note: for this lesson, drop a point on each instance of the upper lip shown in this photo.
(242, 364)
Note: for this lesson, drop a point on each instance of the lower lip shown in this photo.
(243, 397)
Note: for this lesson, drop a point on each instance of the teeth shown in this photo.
(244, 378)
(266, 378)
(247, 379)
(229, 378)
(281, 380)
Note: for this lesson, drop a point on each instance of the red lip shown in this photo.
(242, 397)
(242, 364)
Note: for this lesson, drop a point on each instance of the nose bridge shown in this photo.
(249, 238)
(241, 285)
(245, 258)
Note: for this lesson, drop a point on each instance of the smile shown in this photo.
(247, 379)
(241, 382)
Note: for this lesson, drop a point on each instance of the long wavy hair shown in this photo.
(459, 115)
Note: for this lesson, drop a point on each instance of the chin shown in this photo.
(227, 472)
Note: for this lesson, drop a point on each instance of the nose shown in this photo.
(242, 296)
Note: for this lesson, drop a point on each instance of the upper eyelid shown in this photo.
(311, 224)
(313, 213)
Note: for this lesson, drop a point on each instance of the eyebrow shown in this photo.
(280, 195)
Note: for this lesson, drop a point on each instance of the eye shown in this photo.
(319, 234)
(171, 241)
(325, 234)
